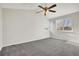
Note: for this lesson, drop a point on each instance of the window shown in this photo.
(64, 25)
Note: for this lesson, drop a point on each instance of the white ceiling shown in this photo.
(61, 9)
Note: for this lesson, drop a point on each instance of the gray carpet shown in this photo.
(0, 53)
(45, 47)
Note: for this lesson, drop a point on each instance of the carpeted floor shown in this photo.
(0, 53)
(45, 47)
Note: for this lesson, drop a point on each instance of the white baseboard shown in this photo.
(25, 42)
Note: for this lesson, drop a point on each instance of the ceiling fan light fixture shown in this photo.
(46, 9)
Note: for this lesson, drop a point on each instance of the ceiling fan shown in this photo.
(46, 9)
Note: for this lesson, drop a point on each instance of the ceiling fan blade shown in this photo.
(52, 6)
(52, 11)
(39, 11)
(41, 7)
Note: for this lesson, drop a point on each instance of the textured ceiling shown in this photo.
(28, 6)
(61, 9)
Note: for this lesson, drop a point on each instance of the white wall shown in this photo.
(69, 36)
(0, 27)
(23, 26)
